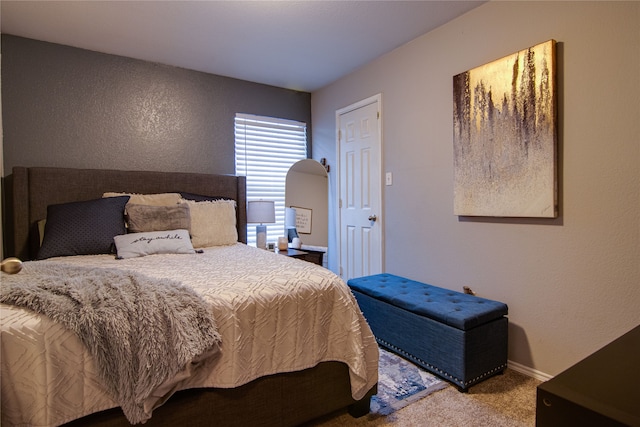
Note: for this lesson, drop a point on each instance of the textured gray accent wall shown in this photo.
(69, 107)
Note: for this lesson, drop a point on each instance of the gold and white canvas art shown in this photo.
(505, 136)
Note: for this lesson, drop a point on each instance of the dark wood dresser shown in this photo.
(601, 390)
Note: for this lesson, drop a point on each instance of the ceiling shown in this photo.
(300, 45)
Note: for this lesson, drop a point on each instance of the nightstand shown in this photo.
(293, 253)
(314, 257)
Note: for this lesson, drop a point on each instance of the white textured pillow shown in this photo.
(154, 242)
(213, 223)
(160, 199)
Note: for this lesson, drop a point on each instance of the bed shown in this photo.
(263, 371)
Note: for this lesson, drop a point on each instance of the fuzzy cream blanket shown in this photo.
(141, 331)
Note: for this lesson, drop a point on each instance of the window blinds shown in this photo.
(266, 148)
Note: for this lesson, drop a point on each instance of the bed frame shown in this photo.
(285, 399)
(36, 188)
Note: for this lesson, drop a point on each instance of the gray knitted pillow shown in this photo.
(141, 218)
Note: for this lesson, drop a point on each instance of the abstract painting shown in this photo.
(505, 136)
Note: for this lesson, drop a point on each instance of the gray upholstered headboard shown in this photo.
(36, 188)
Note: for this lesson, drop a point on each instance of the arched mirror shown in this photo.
(307, 192)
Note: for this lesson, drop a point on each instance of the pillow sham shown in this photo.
(200, 197)
(142, 218)
(82, 228)
(160, 199)
(155, 242)
(213, 223)
(41, 225)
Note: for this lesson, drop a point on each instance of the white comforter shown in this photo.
(275, 314)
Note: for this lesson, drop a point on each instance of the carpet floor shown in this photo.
(507, 400)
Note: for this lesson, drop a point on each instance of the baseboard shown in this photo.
(530, 372)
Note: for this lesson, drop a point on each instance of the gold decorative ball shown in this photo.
(11, 265)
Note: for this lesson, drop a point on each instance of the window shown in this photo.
(266, 148)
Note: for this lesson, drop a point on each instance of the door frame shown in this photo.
(381, 220)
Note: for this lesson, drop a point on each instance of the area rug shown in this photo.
(401, 383)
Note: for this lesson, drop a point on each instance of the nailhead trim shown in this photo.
(457, 381)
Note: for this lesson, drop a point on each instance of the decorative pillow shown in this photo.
(160, 199)
(155, 242)
(213, 223)
(83, 228)
(200, 197)
(41, 224)
(141, 218)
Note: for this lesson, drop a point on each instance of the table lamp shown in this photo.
(261, 212)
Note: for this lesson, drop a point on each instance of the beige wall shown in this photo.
(572, 284)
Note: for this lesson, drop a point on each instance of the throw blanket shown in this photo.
(141, 331)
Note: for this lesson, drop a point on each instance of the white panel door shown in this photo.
(360, 189)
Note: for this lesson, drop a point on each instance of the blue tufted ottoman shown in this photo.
(461, 338)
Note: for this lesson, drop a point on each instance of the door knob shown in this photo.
(373, 218)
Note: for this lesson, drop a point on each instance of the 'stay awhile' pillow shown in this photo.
(134, 245)
(213, 223)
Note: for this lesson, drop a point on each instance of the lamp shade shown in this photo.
(261, 212)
